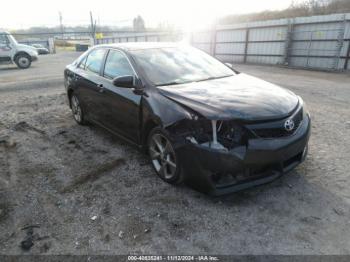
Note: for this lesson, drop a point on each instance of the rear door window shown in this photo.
(94, 61)
(117, 65)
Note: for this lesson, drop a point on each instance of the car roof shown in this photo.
(129, 46)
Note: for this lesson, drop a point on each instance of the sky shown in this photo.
(185, 14)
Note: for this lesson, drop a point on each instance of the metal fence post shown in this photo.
(288, 42)
(51, 42)
(213, 42)
(191, 39)
(246, 45)
(92, 41)
(340, 43)
(346, 64)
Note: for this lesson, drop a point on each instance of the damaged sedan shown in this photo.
(199, 120)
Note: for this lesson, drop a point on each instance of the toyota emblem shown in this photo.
(289, 125)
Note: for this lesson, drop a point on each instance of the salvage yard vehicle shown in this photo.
(42, 50)
(13, 52)
(201, 121)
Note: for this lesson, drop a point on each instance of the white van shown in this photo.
(13, 52)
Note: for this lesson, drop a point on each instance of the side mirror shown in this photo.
(229, 65)
(124, 81)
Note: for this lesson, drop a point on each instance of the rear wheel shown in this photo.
(23, 61)
(163, 157)
(77, 110)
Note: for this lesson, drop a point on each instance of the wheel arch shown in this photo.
(21, 53)
(69, 95)
(147, 128)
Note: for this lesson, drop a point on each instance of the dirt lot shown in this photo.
(87, 192)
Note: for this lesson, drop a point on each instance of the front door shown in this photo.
(120, 106)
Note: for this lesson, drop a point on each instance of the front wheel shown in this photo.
(23, 61)
(163, 157)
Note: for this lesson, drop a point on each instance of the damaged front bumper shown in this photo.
(220, 172)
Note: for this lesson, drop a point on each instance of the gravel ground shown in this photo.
(82, 191)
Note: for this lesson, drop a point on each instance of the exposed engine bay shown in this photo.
(215, 134)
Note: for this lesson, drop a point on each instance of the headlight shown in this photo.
(304, 107)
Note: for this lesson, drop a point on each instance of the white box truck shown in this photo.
(13, 52)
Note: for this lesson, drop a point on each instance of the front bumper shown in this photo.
(34, 58)
(261, 161)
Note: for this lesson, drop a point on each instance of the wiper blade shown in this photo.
(186, 82)
(212, 78)
(169, 84)
(174, 83)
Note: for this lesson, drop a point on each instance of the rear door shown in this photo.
(120, 106)
(88, 81)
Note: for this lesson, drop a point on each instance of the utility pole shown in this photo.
(93, 27)
(61, 22)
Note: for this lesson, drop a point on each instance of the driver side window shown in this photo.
(117, 65)
(3, 40)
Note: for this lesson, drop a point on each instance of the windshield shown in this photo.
(178, 65)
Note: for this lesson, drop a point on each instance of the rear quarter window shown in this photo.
(94, 60)
(82, 62)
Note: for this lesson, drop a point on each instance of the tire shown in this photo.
(23, 61)
(77, 111)
(163, 157)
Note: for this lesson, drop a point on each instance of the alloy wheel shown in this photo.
(162, 156)
(76, 109)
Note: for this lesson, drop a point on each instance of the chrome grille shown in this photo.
(279, 130)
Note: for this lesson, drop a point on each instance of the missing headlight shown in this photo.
(220, 135)
(231, 134)
(213, 143)
(216, 134)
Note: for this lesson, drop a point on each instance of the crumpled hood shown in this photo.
(237, 97)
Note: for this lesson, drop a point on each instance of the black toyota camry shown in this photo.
(199, 120)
